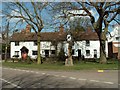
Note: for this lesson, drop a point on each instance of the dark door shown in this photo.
(110, 50)
(79, 53)
(46, 53)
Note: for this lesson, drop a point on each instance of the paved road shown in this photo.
(19, 78)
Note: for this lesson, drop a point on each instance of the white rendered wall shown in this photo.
(82, 46)
(30, 45)
(48, 46)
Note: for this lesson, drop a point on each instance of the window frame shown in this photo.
(34, 53)
(95, 51)
(52, 52)
(16, 52)
(35, 43)
(87, 42)
(117, 38)
(88, 53)
(17, 43)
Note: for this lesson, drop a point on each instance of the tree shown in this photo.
(5, 40)
(107, 12)
(75, 25)
(30, 12)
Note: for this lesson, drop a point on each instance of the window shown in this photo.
(35, 43)
(16, 43)
(87, 52)
(46, 53)
(95, 51)
(16, 55)
(87, 43)
(117, 38)
(52, 51)
(16, 52)
(34, 52)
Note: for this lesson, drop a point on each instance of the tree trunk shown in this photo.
(38, 43)
(69, 60)
(102, 40)
(103, 59)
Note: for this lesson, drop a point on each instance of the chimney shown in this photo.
(23, 31)
(28, 28)
(61, 29)
(89, 29)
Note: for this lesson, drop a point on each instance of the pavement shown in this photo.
(26, 78)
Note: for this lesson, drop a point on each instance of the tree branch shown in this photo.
(109, 5)
(88, 13)
(113, 17)
(25, 10)
(36, 14)
(117, 21)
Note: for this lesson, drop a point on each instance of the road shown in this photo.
(25, 78)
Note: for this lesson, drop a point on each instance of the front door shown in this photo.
(79, 53)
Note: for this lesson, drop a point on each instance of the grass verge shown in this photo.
(61, 66)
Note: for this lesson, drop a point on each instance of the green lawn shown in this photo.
(112, 65)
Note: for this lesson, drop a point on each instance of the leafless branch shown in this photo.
(113, 17)
(117, 21)
(109, 4)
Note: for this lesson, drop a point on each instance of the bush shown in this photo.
(28, 60)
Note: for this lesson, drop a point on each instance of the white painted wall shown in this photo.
(47, 46)
(115, 33)
(30, 45)
(82, 46)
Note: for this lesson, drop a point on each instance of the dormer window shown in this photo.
(87, 43)
(17, 43)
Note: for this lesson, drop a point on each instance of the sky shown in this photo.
(46, 16)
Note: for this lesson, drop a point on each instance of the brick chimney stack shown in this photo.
(61, 28)
(28, 28)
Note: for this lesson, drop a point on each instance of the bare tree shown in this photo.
(107, 12)
(30, 12)
(5, 41)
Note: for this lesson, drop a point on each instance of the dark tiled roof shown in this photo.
(48, 36)
(86, 36)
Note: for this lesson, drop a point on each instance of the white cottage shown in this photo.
(86, 43)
